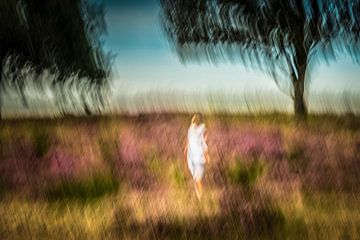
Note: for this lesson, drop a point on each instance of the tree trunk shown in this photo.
(298, 85)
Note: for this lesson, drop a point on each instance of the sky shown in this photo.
(146, 62)
(147, 74)
(145, 58)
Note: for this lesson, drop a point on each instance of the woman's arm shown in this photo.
(186, 149)
(206, 150)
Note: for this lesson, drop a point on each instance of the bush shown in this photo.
(297, 158)
(108, 147)
(245, 175)
(82, 190)
(296, 152)
(41, 142)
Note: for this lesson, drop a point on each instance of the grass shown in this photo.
(82, 190)
(332, 215)
(247, 176)
(268, 178)
(177, 174)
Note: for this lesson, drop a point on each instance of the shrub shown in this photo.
(82, 190)
(108, 148)
(297, 158)
(41, 141)
(245, 175)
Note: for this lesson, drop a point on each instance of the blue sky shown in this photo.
(145, 58)
(145, 61)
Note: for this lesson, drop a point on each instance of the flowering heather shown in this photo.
(65, 165)
(267, 178)
(130, 162)
(20, 168)
(247, 142)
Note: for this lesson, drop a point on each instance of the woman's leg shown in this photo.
(198, 175)
(198, 189)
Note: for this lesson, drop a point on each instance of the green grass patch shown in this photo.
(154, 165)
(82, 190)
(245, 175)
(177, 175)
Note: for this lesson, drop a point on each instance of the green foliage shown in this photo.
(178, 176)
(82, 190)
(245, 175)
(41, 141)
(62, 36)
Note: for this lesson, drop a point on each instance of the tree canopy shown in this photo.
(62, 36)
(280, 37)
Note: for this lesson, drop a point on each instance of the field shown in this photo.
(269, 177)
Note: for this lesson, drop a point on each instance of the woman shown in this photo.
(196, 151)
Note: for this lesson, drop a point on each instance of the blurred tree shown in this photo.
(64, 37)
(279, 37)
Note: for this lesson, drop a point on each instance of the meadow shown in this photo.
(123, 177)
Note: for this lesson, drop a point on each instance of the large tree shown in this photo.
(280, 37)
(64, 37)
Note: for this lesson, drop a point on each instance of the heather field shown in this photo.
(269, 177)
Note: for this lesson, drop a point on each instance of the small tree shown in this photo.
(62, 36)
(277, 36)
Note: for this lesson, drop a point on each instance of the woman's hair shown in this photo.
(197, 119)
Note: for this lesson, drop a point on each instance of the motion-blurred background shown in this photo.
(148, 76)
(96, 98)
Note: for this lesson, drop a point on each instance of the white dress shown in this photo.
(196, 150)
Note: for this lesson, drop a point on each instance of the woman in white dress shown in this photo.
(196, 151)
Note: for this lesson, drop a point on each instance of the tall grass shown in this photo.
(127, 178)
